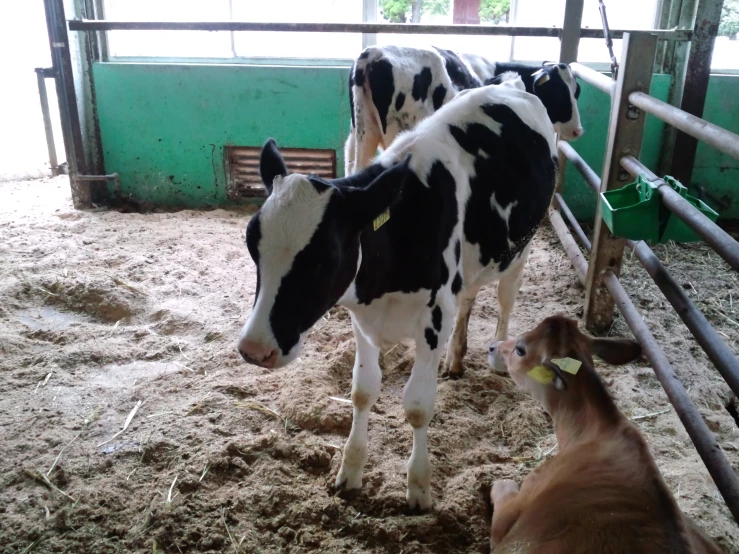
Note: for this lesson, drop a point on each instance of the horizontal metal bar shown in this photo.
(679, 35)
(592, 77)
(570, 246)
(590, 176)
(722, 357)
(711, 342)
(579, 233)
(718, 137)
(111, 177)
(705, 442)
(712, 234)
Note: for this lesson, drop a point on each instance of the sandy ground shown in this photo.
(101, 312)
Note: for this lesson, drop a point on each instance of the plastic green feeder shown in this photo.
(676, 229)
(632, 212)
(635, 212)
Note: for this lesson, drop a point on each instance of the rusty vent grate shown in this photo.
(243, 167)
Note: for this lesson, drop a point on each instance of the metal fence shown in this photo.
(630, 103)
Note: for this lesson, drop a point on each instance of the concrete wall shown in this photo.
(164, 126)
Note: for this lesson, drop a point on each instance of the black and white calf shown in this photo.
(404, 245)
(392, 88)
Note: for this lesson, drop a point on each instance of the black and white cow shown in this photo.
(392, 88)
(404, 245)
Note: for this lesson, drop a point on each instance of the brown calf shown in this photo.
(603, 491)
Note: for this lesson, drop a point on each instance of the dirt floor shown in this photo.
(103, 312)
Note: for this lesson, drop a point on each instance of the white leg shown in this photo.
(508, 287)
(457, 347)
(366, 379)
(349, 151)
(418, 403)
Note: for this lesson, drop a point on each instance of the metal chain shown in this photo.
(609, 40)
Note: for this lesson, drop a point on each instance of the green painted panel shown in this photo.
(717, 172)
(164, 127)
(595, 113)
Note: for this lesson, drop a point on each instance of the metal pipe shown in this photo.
(721, 356)
(716, 349)
(718, 137)
(571, 31)
(712, 234)
(110, 177)
(590, 176)
(705, 442)
(579, 233)
(592, 77)
(66, 94)
(49, 131)
(713, 345)
(695, 88)
(570, 246)
(679, 35)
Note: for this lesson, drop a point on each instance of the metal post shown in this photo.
(707, 20)
(625, 132)
(41, 78)
(65, 90)
(370, 16)
(571, 31)
(682, 15)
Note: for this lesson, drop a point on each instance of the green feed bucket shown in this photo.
(635, 212)
(632, 211)
(676, 229)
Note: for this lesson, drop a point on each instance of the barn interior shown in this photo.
(129, 170)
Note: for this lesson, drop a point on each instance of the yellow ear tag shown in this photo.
(381, 219)
(569, 365)
(542, 79)
(541, 374)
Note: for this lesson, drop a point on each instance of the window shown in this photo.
(442, 12)
(726, 49)
(185, 44)
(622, 14)
(629, 14)
(203, 44)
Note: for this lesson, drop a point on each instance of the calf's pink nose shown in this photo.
(257, 353)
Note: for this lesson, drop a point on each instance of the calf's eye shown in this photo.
(520, 351)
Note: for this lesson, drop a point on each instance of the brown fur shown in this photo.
(603, 492)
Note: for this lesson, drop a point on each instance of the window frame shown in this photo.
(370, 10)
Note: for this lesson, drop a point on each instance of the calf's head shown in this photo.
(558, 89)
(549, 360)
(305, 244)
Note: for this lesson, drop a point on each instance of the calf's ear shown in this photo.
(271, 164)
(365, 203)
(615, 351)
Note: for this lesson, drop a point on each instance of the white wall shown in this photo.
(24, 45)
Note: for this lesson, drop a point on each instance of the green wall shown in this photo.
(717, 172)
(164, 126)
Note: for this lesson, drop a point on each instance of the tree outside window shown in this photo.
(463, 11)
